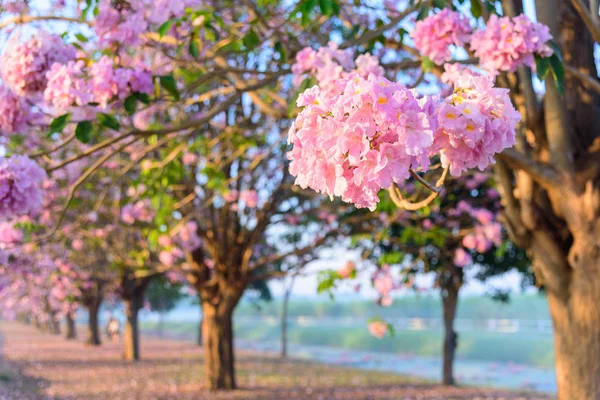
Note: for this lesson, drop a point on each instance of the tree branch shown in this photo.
(543, 174)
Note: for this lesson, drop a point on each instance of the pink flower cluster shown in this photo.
(9, 235)
(487, 232)
(249, 197)
(174, 249)
(474, 123)
(67, 86)
(378, 329)
(20, 186)
(507, 43)
(67, 83)
(384, 284)
(13, 6)
(330, 64)
(108, 81)
(14, 113)
(24, 65)
(356, 143)
(434, 35)
(120, 25)
(188, 236)
(141, 211)
(347, 270)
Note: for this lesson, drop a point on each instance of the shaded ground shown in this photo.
(41, 366)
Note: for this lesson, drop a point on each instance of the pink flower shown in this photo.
(77, 244)
(189, 158)
(66, 86)
(166, 258)
(462, 258)
(507, 43)
(347, 270)
(188, 236)
(378, 329)
(435, 34)
(140, 211)
(383, 281)
(14, 113)
(20, 186)
(122, 26)
(24, 65)
(360, 141)
(474, 123)
(250, 197)
(231, 196)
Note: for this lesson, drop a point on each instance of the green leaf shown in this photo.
(423, 12)
(83, 132)
(556, 49)
(542, 66)
(143, 97)
(251, 40)
(165, 28)
(109, 121)
(194, 47)
(476, 8)
(168, 83)
(58, 124)
(81, 37)
(279, 48)
(558, 72)
(439, 3)
(130, 104)
(426, 64)
(326, 7)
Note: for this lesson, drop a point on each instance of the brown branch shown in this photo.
(585, 79)
(543, 174)
(586, 16)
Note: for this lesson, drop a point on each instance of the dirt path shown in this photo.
(41, 366)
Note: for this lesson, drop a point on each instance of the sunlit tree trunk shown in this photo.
(131, 337)
(551, 193)
(133, 290)
(71, 329)
(218, 345)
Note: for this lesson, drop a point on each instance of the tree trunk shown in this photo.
(199, 338)
(449, 304)
(217, 326)
(93, 324)
(131, 339)
(71, 330)
(284, 316)
(284, 319)
(576, 321)
(54, 325)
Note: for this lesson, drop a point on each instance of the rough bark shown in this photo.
(449, 304)
(217, 337)
(199, 338)
(131, 338)
(71, 329)
(552, 204)
(132, 294)
(93, 308)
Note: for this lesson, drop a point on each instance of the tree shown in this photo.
(163, 295)
(150, 80)
(458, 230)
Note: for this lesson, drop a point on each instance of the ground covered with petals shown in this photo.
(42, 366)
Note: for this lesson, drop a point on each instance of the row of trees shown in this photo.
(145, 137)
